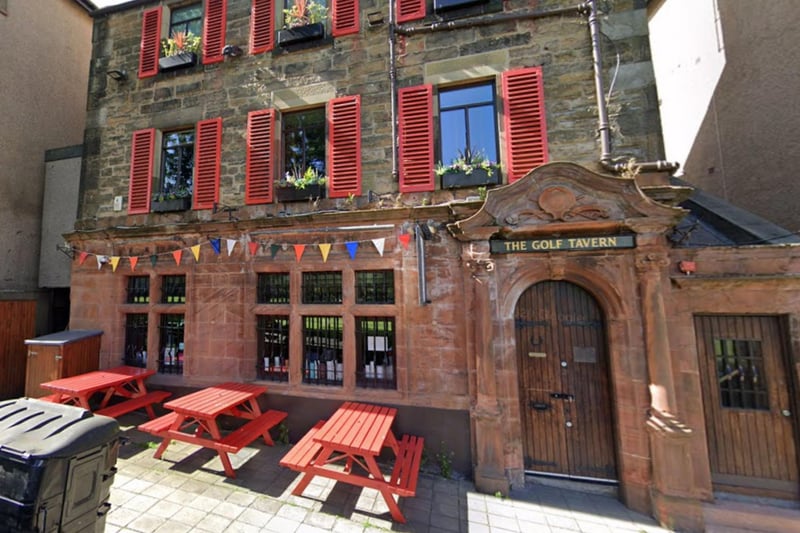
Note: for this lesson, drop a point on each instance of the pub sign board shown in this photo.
(595, 242)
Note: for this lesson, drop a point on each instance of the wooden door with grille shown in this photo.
(747, 404)
(565, 400)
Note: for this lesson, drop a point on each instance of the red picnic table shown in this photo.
(125, 381)
(356, 433)
(194, 420)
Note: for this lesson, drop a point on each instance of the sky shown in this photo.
(106, 3)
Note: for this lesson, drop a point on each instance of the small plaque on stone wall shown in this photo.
(537, 354)
(581, 354)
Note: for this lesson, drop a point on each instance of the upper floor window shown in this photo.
(322, 287)
(187, 19)
(299, 22)
(467, 123)
(177, 163)
(304, 142)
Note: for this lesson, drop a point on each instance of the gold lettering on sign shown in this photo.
(537, 354)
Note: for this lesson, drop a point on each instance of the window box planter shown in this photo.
(300, 34)
(477, 178)
(178, 61)
(175, 204)
(293, 194)
(446, 5)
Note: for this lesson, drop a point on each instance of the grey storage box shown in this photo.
(57, 464)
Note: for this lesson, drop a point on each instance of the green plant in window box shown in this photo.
(303, 13)
(180, 50)
(176, 199)
(301, 185)
(470, 169)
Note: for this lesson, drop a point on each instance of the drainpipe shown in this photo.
(606, 159)
(393, 89)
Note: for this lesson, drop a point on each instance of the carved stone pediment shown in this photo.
(562, 198)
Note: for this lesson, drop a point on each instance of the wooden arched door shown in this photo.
(568, 427)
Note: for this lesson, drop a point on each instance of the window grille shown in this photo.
(171, 345)
(322, 350)
(136, 340)
(273, 288)
(375, 287)
(375, 353)
(273, 348)
(138, 290)
(173, 289)
(322, 287)
(740, 371)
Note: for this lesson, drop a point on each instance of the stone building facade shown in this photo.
(545, 315)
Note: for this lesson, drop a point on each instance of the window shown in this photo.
(375, 287)
(177, 163)
(138, 290)
(171, 345)
(740, 372)
(187, 19)
(322, 287)
(304, 142)
(136, 339)
(173, 289)
(273, 288)
(467, 124)
(267, 16)
(375, 352)
(273, 348)
(322, 350)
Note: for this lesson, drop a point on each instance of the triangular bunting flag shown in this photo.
(114, 263)
(405, 238)
(100, 260)
(196, 253)
(215, 245)
(379, 243)
(231, 244)
(325, 249)
(273, 249)
(298, 251)
(177, 255)
(253, 245)
(153, 259)
(82, 257)
(133, 260)
(352, 247)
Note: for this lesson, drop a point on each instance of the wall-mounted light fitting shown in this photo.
(374, 19)
(231, 50)
(117, 75)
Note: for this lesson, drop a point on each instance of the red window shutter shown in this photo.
(525, 121)
(214, 31)
(260, 159)
(206, 163)
(141, 180)
(408, 10)
(415, 115)
(344, 147)
(150, 45)
(262, 24)
(345, 17)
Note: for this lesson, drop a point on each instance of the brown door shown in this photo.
(563, 374)
(747, 403)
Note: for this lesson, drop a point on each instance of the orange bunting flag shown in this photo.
(405, 238)
(298, 251)
(196, 253)
(379, 243)
(177, 255)
(253, 247)
(325, 249)
(114, 263)
(134, 260)
(82, 257)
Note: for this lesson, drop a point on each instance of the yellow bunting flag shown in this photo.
(177, 255)
(325, 249)
(114, 263)
(134, 260)
(196, 252)
(298, 251)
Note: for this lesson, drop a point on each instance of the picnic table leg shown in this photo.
(226, 464)
(375, 471)
(162, 447)
(309, 474)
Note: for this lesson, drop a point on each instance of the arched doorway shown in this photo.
(565, 401)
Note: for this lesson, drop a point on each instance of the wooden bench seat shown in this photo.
(241, 437)
(406, 470)
(158, 425)
(145, 401)
(303, 453)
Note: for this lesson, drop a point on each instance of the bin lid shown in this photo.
(64, 337)
(31, 428)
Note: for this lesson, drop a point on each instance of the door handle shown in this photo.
(562, 396)
(539, 406)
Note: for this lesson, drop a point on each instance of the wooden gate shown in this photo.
(748, 404)
(568, 425)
